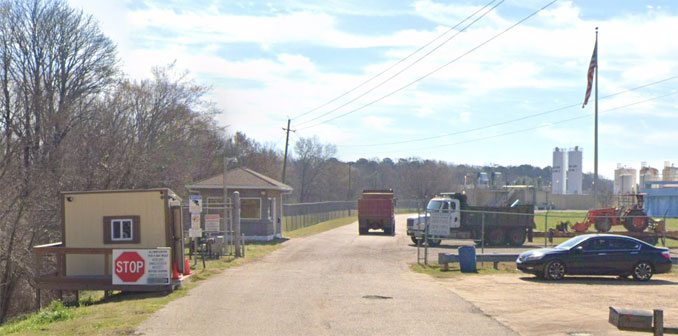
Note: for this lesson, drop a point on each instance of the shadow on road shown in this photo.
(597, 280)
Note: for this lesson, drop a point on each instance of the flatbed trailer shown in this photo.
(649, 236)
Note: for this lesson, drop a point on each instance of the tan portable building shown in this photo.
(95, 222)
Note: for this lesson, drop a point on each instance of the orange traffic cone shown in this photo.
(187, 267)
(175, 273)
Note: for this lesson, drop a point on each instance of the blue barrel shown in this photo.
(467, 259)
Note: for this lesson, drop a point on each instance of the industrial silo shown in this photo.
(670, 172)
(558, 171)
(647, 174)
(624, 180)
(574, 171)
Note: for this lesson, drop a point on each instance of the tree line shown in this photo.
(70, 119)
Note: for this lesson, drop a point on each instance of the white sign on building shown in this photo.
(141, 266)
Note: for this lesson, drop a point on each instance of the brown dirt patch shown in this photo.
(574, 306)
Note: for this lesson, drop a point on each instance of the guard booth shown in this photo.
(128, 240)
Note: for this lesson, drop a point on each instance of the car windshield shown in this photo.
(434, 205)
(568, 244)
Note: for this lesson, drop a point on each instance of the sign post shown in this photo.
(141, 266)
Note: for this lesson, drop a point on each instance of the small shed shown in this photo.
(261, 203)
(96, 225)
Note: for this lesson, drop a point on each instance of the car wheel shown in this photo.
(642, 271)
(415, 240)
(554, 270)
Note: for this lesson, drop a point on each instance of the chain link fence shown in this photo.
(301, 215)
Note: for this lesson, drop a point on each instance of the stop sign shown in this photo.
(129, 266)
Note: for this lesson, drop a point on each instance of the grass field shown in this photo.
(121, 313)
(545, 221)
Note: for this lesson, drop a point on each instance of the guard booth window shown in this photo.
(121, 229)
(250, 208)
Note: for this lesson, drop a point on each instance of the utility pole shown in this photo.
(287, 141)
(348, 192)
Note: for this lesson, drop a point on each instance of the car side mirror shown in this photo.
(578, 249)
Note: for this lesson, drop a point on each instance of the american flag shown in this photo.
(592, 67)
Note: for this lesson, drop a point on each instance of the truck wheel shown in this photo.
(434, 242)
(516, 237)
(388, 231)
(363, 231)
(603, 224)
(496, 237)
(636, 221)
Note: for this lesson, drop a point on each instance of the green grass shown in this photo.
(320, 227)
(555, 217)
(121, 313)
(437, 271)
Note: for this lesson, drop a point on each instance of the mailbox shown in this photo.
(631, 319)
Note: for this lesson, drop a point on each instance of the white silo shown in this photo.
(558, 171)
(670, 173)
(574, 171)
(647, 174)
(624, 180)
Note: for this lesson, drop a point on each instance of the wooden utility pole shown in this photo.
(287, 141)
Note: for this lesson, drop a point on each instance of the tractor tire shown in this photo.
(636, 221)
(516, 237)
(496, 237)
(603, 224)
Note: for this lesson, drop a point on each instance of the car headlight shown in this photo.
(535, 256)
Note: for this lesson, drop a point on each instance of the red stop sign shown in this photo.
(129, 266)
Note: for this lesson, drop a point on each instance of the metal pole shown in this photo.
(225, 214)
(482, 233)
(236, 223)
(595, 150)
(546, 220)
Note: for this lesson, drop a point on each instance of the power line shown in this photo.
(507, 121)
(401, 71)
(535, 127)
(395, 64)
(436, 70)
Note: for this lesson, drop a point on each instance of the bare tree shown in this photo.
(311, 158)
(54, 62)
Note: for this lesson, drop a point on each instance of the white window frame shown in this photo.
(249, 198)
(122, 222)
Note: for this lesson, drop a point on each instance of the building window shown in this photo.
(250, 208)
(122, 230)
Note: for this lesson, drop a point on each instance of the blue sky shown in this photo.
(267, 61)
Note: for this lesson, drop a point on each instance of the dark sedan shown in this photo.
(603, 254)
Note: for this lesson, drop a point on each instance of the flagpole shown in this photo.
(595, 141)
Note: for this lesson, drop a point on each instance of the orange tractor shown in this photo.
(633, 218)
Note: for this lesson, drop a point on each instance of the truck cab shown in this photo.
(443, 214)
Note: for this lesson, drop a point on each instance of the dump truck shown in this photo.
(375, 211)
(449, 216)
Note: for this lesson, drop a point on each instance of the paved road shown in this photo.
(334, 283)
